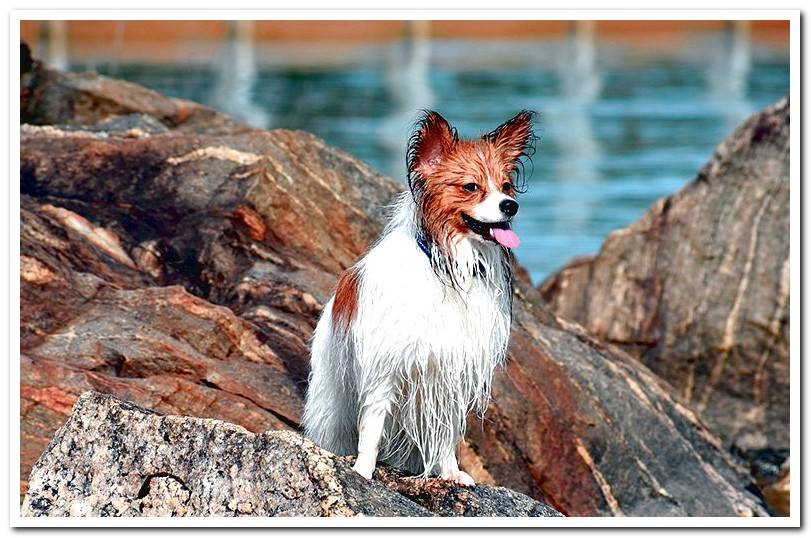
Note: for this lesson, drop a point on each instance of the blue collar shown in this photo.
(422, 242)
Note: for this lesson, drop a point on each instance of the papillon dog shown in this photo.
(408, 344)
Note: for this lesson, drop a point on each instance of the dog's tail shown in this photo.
(331, 409)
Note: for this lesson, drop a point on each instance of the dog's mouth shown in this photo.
(499, 232)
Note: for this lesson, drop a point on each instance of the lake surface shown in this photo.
(619, 125)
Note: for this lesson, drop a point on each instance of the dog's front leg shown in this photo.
(371, 422)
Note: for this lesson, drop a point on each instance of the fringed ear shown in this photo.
(432, 140)
(514, 138)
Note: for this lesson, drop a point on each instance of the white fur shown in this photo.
(419, 355)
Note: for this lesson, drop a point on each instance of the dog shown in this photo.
(408, 344)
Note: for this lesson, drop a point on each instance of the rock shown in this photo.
(698, 288)
(582, 422)
(112, 458)
(26, 61)
(48, 96)
(233, 243)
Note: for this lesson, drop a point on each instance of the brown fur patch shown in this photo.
(345, 305)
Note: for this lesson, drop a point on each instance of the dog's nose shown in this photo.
(508, 207)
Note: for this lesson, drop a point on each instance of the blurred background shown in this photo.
(629, 110)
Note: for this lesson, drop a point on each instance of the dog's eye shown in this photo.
(507, 186)
(470, 187)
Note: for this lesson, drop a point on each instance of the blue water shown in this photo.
(618, 127)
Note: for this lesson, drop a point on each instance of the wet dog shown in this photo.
(408, 344)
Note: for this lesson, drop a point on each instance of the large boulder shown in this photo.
(698, 288)
(112, 458)
(184, 272)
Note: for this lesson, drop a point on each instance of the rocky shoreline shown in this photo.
(178, 260)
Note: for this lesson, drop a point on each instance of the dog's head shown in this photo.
(467, 188)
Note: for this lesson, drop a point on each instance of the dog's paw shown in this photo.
(460, 477)
(364, 467)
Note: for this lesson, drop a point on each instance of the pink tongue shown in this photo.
(505, 238)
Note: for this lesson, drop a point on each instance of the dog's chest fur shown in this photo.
(399, 285)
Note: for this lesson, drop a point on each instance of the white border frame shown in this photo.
(599, 14)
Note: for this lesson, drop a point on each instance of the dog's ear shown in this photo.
(432, 140)
(513, 138)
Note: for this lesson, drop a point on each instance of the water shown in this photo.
(619, 126)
